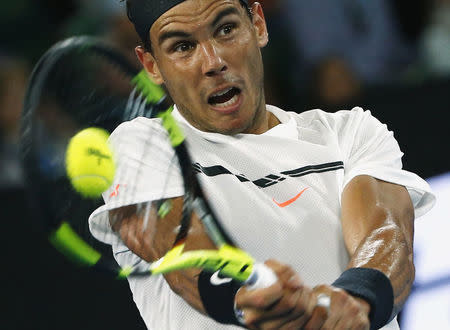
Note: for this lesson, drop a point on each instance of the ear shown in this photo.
(149, 63)
(259, 23)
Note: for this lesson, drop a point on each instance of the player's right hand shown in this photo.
(287, 304)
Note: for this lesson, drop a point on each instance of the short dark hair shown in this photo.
(143, 29)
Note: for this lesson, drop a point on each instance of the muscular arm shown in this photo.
(377, 221)
(378, 227)
(153, 242)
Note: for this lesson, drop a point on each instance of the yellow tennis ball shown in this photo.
(89, 162)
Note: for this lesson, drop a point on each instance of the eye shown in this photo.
(226, 29)
(182, 47)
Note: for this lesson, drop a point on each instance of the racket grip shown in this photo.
(261, 277)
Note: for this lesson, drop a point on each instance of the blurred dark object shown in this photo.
(13, 79)
(94, 17)
(417, 114)
(29, 27)
(346, 45)
(365, 34)
(279, 58)
(334, 85)
(58, 11)
(435, 41)
(412, 16)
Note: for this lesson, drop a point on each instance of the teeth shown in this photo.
(222, 93)
(228, 103)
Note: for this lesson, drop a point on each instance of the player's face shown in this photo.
(207, 53)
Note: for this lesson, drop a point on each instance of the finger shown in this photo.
(333, 318)
(354, 323)
(303, 311)
(318, 317)
(258, 298)
(265, 297)
(290, 313)
(300, 315)
(286, 274)
(336, 304)
(274, 302)
(353, 317)
(276, 315)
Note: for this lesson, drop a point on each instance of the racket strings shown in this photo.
(155, 142)
(79, 90)
(136, 106)
(86, 87)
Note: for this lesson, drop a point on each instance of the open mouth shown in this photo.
(225, 98)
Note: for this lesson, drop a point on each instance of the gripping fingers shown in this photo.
(265, 297)
(285, 274)
(259, 299)
(291, 312)
(355, 316)
(273, 307)
(344, 311)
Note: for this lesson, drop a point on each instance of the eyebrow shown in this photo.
(172, 34)
(223, 13)
(181, 34)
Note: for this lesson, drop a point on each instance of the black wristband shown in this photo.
(374, 287)
(217, 295)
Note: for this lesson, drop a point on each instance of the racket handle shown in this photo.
(261, 277)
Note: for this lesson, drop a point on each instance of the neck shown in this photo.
(273, 120)
(268, 121)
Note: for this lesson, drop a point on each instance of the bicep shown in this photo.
(371, 206)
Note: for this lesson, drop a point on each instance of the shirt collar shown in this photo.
(286, 129)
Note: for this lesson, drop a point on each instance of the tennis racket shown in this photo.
(83, 82)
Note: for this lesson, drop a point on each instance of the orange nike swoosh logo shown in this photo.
(115, 192)
(292, 200)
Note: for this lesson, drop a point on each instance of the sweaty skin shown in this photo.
(203, 47)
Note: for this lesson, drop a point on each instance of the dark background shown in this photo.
(41, 290)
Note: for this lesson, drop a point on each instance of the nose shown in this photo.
(213, 63)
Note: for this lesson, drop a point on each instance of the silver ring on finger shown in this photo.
(239, 313)
(324, 300)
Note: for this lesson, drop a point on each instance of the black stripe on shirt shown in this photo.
(270, 179)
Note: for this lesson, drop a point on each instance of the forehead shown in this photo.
(192, 13)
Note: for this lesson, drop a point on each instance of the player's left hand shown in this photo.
(289, 304)
(344, 311)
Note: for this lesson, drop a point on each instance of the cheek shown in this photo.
(175, 80)
(254, 75)
(248, 56)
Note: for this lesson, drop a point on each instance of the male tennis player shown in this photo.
(321, 194)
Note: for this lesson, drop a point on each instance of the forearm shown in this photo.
(184, 283)
(387, 250)
(153, 242)
(378, 225)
